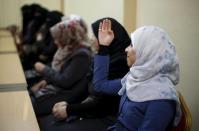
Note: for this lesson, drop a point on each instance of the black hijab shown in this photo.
(118, 64)
(53, 17)
(27, 16)
(46, 46)
(38, 19)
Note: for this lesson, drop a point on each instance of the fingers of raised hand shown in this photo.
(109, 25)
(105, 25)
(100, 26)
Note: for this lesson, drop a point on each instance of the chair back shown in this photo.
(186, 120)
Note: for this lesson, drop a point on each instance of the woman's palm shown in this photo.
(106, 37)
(105, 33)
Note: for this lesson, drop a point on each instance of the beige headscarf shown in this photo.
(70, 32)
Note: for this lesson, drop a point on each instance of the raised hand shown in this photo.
(105, 33)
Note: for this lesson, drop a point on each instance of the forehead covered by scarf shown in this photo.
(71, 30)
(155, 54)
(53, 17)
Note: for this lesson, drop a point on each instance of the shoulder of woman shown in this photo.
(82, 52)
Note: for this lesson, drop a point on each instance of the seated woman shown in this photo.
(27, 47)
(66, 80)
(99, 110)
(45, 44)
(149, 100)
(43, 48)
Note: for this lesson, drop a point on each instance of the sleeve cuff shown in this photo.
(45, 72)
(69, 110)
(103, 50)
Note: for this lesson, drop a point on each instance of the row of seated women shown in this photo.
(132, 85)
(36, 42)
(67, 79)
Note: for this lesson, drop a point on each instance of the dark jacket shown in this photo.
(71, 80)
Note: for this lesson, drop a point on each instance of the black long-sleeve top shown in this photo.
(74, 69)
(97, 104)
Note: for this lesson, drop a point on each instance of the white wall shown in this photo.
(129, 13)
(9, 12)
(92, 10)
(180, 18)
(10, 9)
(49, 4)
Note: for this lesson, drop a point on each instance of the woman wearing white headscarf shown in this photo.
(149, 99)
(66, 80)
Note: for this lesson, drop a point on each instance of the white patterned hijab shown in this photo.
(156, 61)
(156, 71)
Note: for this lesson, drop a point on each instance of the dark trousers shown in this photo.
(88, 124)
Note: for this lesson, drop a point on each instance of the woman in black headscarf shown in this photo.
(98, 110)
(28, 47)
(26, 17)
(45, 43)
(44, 47)
(118, 66)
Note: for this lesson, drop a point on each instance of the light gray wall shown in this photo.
(10, 12)
(92, 10)
(180, 18)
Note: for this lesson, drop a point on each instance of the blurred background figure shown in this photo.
(44, 41)
(36, 42)
(28, 48)
(65, 80)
